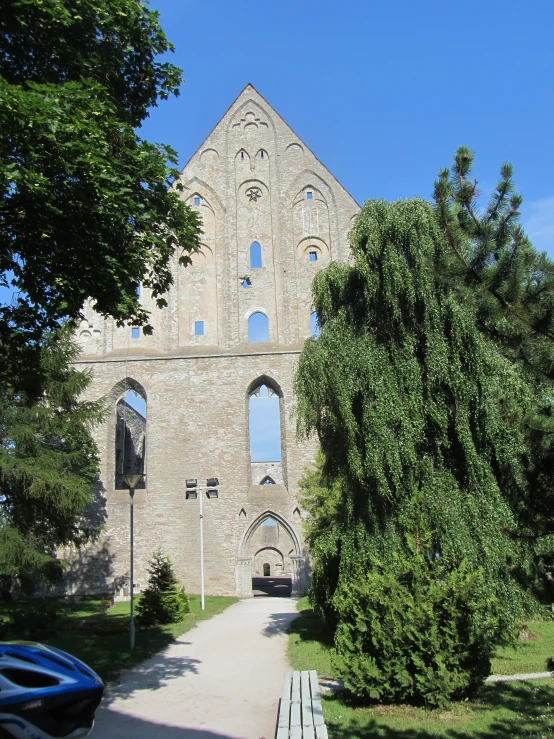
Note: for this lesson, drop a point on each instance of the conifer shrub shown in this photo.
(163, 601)
(413, 631)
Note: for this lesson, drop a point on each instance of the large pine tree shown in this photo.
(48, 464)
(511, 286)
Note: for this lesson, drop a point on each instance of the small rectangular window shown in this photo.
(197, 201)
(313, 256)
(135, 332)
(199, 328)
(309, 195)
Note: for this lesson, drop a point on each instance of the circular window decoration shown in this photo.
(253, 194)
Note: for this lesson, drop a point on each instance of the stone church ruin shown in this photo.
(229, 338)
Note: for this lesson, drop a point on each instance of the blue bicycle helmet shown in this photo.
(45, 693)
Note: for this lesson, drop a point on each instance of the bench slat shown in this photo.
(307, 717)
(308, 732)
(295, 732)
(295, 714)
(295, 692)
(317, 711)
(284, 714)
(305, 686)
(282, 733)
(286, 686)
(314, 685)
(321, 732)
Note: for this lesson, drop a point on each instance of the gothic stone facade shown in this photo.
(253, 181)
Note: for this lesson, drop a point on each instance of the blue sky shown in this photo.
(383, 93)
(264, 428)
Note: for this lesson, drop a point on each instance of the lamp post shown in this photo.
(132, 480)
(191, 494)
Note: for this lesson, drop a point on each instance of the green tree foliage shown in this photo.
(510, 283)
(511, 286)
(163, 601)
(323, 500)
(86, 210)
(412, 629)
(48, 464)
(409, 398)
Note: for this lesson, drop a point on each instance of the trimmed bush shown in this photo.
(163, 601)
(411, 631)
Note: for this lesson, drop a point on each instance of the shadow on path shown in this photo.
(279, 623)
(156, 673)
(112, 725)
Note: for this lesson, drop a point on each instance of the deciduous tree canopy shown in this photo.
(85, 204)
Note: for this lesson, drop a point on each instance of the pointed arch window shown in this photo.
(255, 256)
(130, 437)
(265, 427)
(258, 328)
(267, 480)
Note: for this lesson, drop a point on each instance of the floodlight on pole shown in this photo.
(132, 480)
(191, 493)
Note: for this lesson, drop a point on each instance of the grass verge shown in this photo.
(524, 710)
(102, 641)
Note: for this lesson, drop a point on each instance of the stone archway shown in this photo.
(294, 559)
(272, 557)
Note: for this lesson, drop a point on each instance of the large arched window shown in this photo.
(258, 328)
(255, 256)
(130, 437)
(265, 425)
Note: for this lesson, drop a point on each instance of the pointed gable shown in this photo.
(250, 119)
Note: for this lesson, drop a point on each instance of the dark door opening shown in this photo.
(274, 587)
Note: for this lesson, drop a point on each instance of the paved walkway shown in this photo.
(221, 680)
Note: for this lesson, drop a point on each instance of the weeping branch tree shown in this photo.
(48, 464)
(418, 413)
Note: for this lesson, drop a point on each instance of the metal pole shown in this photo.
(132, 622)
(201, 552)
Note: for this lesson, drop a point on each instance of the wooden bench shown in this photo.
(300, 714)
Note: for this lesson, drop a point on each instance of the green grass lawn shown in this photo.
(503, 710)
(531, 655)
(102, 642)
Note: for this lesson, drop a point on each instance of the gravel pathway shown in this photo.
(222, 679)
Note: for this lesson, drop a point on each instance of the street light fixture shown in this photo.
(132, 480)
(192, 493)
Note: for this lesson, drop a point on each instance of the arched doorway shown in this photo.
(271, 539)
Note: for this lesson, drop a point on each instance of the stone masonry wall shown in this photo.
(252, 180)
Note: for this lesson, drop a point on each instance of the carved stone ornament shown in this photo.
(254, 193)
